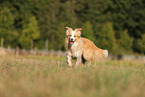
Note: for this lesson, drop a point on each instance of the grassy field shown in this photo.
(51, 77)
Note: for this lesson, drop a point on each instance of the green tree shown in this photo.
(106, 37)
(48, 22)
(140, 45)
(61, 36)
(30, 32)
(6, 25)
(124, 14)
(68, 13)
(125, 41)
(127, 14)
(87, 31)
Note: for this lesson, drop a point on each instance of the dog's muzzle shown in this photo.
(71, 42)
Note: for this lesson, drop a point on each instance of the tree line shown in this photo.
(116, 25)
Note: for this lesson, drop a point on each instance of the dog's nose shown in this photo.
(71, 39)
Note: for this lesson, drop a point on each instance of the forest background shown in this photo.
(116, 25)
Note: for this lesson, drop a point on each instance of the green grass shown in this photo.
(51, 77)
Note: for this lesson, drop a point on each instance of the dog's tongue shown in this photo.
(71, 42)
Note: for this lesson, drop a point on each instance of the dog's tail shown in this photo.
(100, 55)
(105, 54)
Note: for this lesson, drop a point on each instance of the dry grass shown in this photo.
(51, 77)
(3, 51)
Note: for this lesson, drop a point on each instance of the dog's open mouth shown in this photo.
(71, 42)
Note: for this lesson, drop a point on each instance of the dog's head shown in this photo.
(73, 35)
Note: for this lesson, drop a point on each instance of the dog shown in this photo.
(82, 49)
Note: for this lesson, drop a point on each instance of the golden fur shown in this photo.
(82, 49)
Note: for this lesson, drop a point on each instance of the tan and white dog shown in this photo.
(81, 49)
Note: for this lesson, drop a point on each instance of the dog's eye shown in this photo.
(69, 35)
(75, 36)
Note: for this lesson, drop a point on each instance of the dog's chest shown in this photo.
(76, 51)
(74, 46)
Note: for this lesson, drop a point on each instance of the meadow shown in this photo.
(49, 76)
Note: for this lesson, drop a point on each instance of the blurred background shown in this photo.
(115, 25)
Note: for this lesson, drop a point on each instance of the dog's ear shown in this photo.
(78, 30)
(68, 28)
(67, 31)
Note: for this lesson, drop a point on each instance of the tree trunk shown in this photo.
(46, 44)
(2, 41)
(31, 44)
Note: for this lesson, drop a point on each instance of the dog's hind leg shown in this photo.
(83, 60)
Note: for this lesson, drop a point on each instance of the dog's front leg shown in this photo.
(78, 61)
(68, 59)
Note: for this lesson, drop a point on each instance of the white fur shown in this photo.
(75, 50)
(105, 53)
(72, 36)
(74, 46)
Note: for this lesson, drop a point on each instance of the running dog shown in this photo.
(81, 49)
